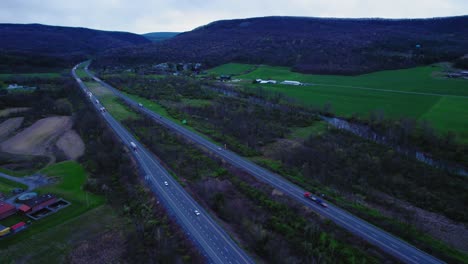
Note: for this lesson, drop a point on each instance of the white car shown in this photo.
(166, 183)
(196, 212)
(140, 105)
(219, 148)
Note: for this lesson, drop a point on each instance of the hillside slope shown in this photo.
(45, 46)
(316, 45)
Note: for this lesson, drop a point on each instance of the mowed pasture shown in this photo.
(421, 93)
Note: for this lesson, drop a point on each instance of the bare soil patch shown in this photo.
(9, 126)
(37, 139)
(71, 144)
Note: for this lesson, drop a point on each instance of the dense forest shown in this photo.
(27, 47)
(311, 45)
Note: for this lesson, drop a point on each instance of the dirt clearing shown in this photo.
(36, 139)
(71, 144)
(9, 126)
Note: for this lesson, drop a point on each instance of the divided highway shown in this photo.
(374, 235)
(214, 242)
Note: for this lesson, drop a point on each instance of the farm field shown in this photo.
(420, 93)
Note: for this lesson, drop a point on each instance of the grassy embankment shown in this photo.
(442, 102)
(111, 102)
(6, 185)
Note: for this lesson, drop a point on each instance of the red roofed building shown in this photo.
(24, 208)
(6, 210)
(39, 202)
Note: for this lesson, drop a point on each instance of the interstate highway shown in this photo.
(374, 235)
(214, 242)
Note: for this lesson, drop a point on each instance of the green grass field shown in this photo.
(117, 109)
(231, 69)
(421, 93)
(71, 177)
(6, 186)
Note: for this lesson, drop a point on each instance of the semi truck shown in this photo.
(133, 145)
(314, 199)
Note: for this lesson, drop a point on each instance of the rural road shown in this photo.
(374, 235)
(214, 243)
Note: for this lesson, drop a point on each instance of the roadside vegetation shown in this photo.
(302, 148)
(270, 226)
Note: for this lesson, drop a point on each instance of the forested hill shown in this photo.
(318, 45)
(52, 45)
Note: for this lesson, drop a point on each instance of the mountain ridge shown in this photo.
(310, 45)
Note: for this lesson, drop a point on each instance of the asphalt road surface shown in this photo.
(374, 235)
(214, 242)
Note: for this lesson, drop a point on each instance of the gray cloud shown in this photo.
(142, 16)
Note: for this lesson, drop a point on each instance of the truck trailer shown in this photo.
(133, 145)
(316, 200)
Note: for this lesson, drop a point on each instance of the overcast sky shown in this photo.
(142, 16)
